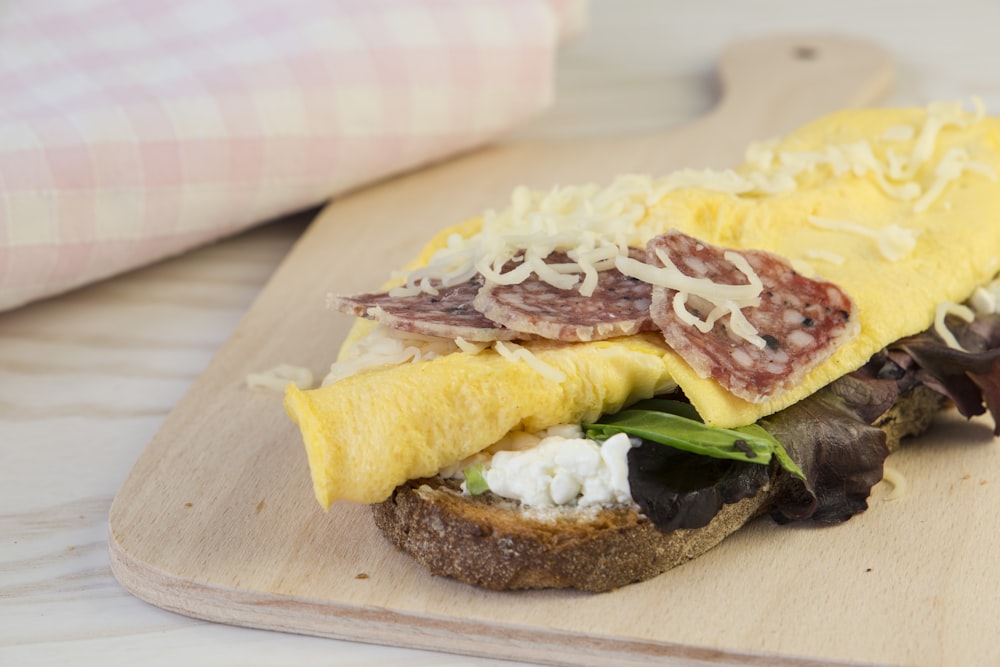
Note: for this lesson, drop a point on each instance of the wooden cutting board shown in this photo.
(217, 518)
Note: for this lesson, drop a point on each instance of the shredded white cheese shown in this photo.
(986, 299)
(825, 256)
(514, 352)
(899, 133)
(383, 347)
(278, 377)
(940, 115)
(940, 326)
(951, 167)
(470, 347)
(895, 479)
(595, 226)
(726, 299)
(893, 242)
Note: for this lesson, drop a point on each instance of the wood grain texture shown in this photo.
(216, 519)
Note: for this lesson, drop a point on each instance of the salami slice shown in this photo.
(799, 321)
(619, 306)
(447, 314)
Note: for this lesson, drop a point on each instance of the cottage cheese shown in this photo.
(564, 471)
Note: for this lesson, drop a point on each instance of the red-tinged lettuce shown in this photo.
(840, 453)
(969, 377)
(832, 435)
(678, 489)
(685, 471)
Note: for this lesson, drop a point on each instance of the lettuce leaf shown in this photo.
(677, 489)
(677, 424)
(475, 479)
(970, 378)
(840, 453)
(685, 471)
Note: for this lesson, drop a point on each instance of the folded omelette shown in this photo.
(893, 206)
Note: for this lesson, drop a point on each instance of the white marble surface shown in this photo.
(86, 378)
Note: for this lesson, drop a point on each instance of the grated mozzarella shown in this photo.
(595, 226)
(895, 479)
(893, 242)
(940, 115)
(986, 299)
(899, 133)
(940, 326)
(514, 352)
(951, 167)
(470, 347)
(726, 299)
(825, 256)
(383, 347)
(278, 377)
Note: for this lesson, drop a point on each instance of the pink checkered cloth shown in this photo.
(131, 130)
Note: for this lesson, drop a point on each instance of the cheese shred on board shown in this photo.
(886, 204)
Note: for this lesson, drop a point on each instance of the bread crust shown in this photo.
(493, 543)
(912, 414)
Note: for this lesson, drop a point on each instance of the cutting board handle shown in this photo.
(769, 86)
(780, 81)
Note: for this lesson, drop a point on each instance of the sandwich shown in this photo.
(595, 384)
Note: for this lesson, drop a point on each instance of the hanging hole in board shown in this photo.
(804, 52)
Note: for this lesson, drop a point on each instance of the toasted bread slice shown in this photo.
(497, 544)
(494, 543)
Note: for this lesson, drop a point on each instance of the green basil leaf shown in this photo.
(785, 460)
(475, 481)
(686, 434)
(677, 424)
(679, 408)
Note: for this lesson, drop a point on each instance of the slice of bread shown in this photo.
(497, 544)
(493, 543)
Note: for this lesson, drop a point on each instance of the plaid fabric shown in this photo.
(131, 130)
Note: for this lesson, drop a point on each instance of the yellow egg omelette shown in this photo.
(894, 206)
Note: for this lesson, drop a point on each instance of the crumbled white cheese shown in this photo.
(563, 470)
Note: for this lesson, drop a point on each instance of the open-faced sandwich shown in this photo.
(596, 384)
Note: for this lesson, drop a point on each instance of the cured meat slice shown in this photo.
(447, 314)
(618, 306)
(799, 321)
